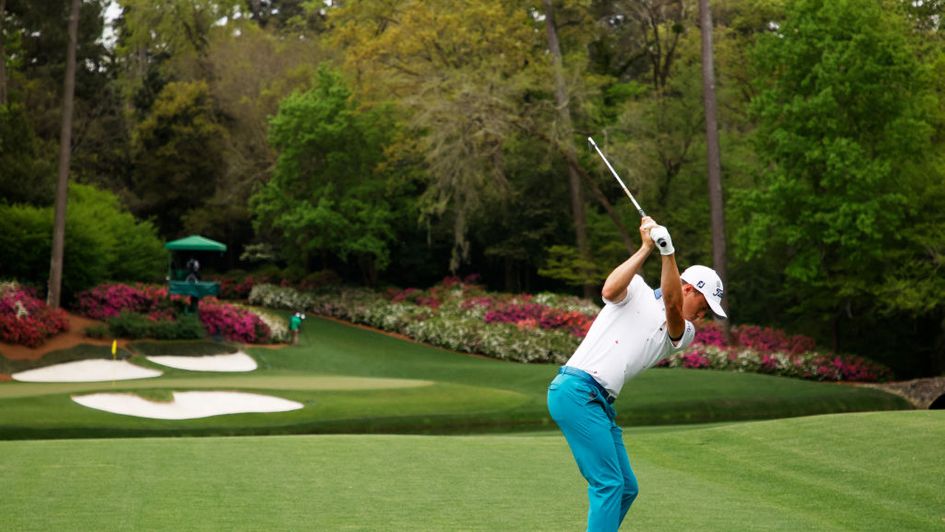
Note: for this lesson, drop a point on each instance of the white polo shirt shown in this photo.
(628, 337)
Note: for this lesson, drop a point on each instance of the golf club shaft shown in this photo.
(625, 189)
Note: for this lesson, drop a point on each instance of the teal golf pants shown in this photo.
(585, 417)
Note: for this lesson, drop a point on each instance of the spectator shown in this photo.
(193, 270)
(295, 324)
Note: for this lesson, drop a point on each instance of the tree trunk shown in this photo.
(3, 56)
(566, 129)
(938, 353)
(712, 148)
(65, 140)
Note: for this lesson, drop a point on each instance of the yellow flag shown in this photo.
(114, 347)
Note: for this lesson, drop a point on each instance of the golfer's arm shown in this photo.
(615, 287)
(671, 287)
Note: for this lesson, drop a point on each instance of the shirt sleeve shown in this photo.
(632, 289)
(689, 334)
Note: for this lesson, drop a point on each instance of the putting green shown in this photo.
(260, 382)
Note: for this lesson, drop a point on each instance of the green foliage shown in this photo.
(131, 248)
(327, 195)
(103, 242)
(175, 28)
(25, 177)
(177, 155)
(566, 264)
(464, 76)
(99, 332)
(61, 356)
(846, 118)
(182, 348)
(134, 326)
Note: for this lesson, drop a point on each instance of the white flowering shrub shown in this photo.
(272, 296)
(567, 303)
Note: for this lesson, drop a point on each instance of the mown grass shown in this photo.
(467, 394)
(61, 356)
(182, 348)
(144, 348)
(872, 471)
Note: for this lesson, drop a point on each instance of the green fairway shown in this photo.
(356, 381)
(873, 471)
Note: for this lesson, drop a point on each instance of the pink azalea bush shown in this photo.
(237, 288)
(458, 314)
(545, 317)
(233, 323)
(25, 319)
(112, 302)
(109, 300)
(768, 350)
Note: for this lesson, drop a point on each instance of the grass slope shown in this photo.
(873, 471)
(468, 394)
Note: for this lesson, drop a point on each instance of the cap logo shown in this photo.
(700, 284)
(718, 293)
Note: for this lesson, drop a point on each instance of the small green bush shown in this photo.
(96, 331)
(135, 326)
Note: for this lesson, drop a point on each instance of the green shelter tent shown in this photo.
(180, 279)
(195, 243)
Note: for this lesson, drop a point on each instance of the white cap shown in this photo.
(708, 282)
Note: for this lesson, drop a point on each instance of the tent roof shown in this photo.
(195, 243)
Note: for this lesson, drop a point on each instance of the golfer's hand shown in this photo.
(664, 243)
(647, 223)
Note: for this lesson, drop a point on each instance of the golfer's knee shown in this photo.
(609, 487)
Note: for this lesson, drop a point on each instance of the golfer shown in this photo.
(637, 327)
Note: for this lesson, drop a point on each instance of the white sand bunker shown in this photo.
(186, 405)
(238, 361)
(96, 370)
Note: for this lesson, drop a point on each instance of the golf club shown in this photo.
(625, 189)
(659, 241)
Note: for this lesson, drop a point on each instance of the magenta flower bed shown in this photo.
(765, 339)
(239, 287)
(109, 300)
(233, 323)
(548, 318)
(416, 296)
(768, 350)
(26, 320)
(769, 339)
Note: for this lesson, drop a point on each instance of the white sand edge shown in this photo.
(186, 405)
(238, 361)
(96, 370)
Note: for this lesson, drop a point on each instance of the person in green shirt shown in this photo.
(295, 323)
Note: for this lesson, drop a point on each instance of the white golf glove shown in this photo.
(664, 242)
